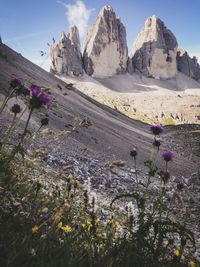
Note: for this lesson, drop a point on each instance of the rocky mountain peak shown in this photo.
(154, 51)
(66, 57)
(188, 65)
(73, 35)
(107, 8)
(106, 49)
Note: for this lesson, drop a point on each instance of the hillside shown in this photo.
(111, 135)
(88, 142)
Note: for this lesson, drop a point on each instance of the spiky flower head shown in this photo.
(167, 155)
(35, 229)
(18, 86)
(44, 98)
(35, 91)
(16, 109)
(38, 97)
(156, 129)
(44, 121)
(16, 82)
(133, 153)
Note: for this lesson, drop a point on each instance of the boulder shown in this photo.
(154, 51)
(66, 57)
(106, 51)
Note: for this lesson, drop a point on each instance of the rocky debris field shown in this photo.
(59, 150)
(111, 178)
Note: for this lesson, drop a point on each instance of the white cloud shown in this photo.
(78, 14)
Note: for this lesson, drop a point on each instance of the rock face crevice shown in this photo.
(189, 66)
(66, 57)
(106, 51)
(154, 51)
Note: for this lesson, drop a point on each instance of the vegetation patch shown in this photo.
(59, 223)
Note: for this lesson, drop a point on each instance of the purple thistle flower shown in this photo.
(16, 82)
(44, 98)
(25, 91)
(38, 98)
(167, 155)
(35, 91)
(156, 129)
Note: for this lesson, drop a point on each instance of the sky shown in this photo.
(27, 26)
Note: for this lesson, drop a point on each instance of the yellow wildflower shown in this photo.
(87, 225)
(40, 181)
(83, 225)
(100, 246)
(35, 229)
(39, 150)
(117, 224)
(69, 177)
(60, 224)
(177, 252)
(192, 264)
(97, 220)
(67, 229)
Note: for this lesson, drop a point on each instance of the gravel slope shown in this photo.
(111, 134)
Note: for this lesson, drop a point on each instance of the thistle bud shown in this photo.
(44, 121)
(16, 109)
(133, 153)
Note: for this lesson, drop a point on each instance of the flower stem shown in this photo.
(27, 123)
(6, 100)
(7, 134)
(136, 173)
(17, 147)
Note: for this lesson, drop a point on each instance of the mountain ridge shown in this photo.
(155, 52)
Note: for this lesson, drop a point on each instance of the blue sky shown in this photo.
(27, 26)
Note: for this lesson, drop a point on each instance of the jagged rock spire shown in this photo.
(154, 51)
(189, 66)
(106, 50)
(66, 56)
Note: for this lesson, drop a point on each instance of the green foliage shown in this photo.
(44, 225)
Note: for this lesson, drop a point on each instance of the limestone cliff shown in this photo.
(66, 55)
(106, 51)
(189, 66)
(154, 51)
